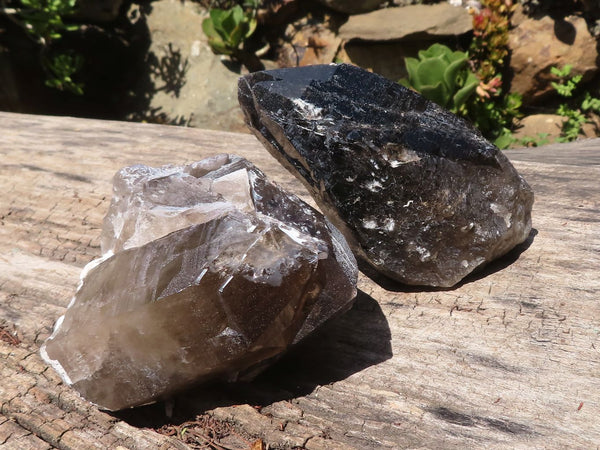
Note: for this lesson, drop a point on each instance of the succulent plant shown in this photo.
(442, 76)
(226, 29)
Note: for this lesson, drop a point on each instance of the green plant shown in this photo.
(43, 22)
(494, 115)
(489, 47)
(566, 85)
(442, 76)
(61, 69)
(573, 124)
(575, 116)
(226, 29)
(534, 141)
(493, 111)
(43, 19)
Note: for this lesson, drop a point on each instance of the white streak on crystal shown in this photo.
(231, 336)
(408, 203)
(86, 269)
(54, 363)
(373, 186)
(256, 197)
(199, 278)
(235, 187)
(405, 156)
(230, 332)
(503, 212)
(389, 224)
(44, 354)
(94, 263)
(468, 227)
(310, 111)
(306, 240)
(295, 235)
(224, 285)
(424, 254)
(369, 224)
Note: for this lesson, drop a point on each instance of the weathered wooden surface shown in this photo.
(510, 359)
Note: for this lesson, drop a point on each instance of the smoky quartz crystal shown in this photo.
(419, 194)
(209, 271)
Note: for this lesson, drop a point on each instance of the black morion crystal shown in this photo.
(418, 192)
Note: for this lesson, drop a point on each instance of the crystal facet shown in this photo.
(419, 193)
(209, 271)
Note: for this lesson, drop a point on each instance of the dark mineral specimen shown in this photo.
(209, 271)
(418, 192)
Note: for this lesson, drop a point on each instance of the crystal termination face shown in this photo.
(419, 194)
(209, 271)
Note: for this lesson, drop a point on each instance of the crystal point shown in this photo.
(209, 271)
(418, 192)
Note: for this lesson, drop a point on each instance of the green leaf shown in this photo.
(208, 28)
(437, 93)
(238, 14)
(431, 72)
(590, 103)
(252, 23)
(219, 47)
(452, 71)
(231, 20)
(463, 94)
(564, 72)
(404, 82)
(458, 56)
(217, 16)
(434, 51)
(412, 64)
(505, 140)
(236, 35)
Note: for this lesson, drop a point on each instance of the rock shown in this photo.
(185, 82)
(419, 193)
(352, 6)
(278, 12)
(415, 22)
(209, 272)
(546, 128)
(307, 42)
(539, 44)
(384, 58)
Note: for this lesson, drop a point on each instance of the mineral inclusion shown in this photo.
(418, 192)
(208, 271)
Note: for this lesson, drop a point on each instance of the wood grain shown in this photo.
(509, 359)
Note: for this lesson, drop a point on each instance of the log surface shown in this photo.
(508, 359)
